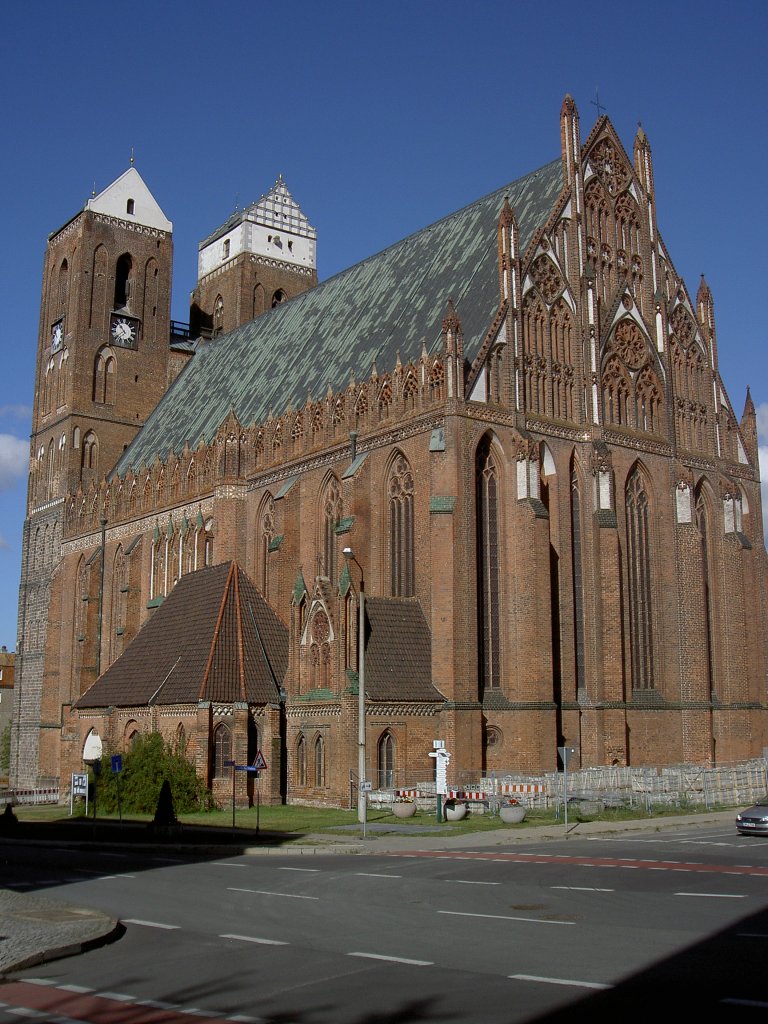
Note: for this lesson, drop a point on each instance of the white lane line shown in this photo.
(119, 997)
(308, 870)
(714, 895)
(761, 1004)
(394, 959)
(42, 981)
(78, 989)
(370, 874)
(23, 1011)
(253, 938)
(106, 878)
(151, 924)
(502, 917)
(748, 935)
(227, 864)
(266, 892)
(581, 888)
(467, 881)
(559, 981)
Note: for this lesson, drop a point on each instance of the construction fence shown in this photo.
(595, 789)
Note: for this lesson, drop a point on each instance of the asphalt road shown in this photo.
(613, 927)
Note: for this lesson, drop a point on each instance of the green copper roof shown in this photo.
(389, 303)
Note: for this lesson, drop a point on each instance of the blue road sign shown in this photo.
(117, 763)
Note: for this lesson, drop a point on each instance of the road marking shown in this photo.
(119, 997)
(714, 895)
(44, 981)
(253, 938)
(502, 917)
(466, 881)
(752, 935)
(310, 870)
(394, 959)
(78, 989)
(370, 874)
(581, 888)
(150, 924)
(105, 878)
(559, 981)
(761, 1004)
(227, 864)
(265, 892)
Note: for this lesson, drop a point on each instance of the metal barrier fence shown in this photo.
(45, 795)
(676, 786)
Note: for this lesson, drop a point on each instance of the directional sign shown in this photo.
(366, 787)
(259, 764)
(117, 763)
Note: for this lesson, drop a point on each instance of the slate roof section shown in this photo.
(213, 638)
(387, 304)
(398, 651)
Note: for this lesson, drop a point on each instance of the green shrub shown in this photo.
(148, 763)
(5, 749)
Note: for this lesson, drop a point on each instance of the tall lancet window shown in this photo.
(639, 579)
(488, 570)
(331, 514)
(401, 557)
(702, 524)
(578, 580)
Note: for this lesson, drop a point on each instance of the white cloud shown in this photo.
(14, 457)
(762, 455)
(18, 411)
(762, 425)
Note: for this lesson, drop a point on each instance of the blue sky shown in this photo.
(381, 117)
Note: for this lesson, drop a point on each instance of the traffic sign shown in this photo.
(366, 787)
(259, 764)
(117, 763)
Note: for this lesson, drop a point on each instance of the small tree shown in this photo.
(146, 765)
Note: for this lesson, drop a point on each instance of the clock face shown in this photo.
(57, 335)
(124, 331)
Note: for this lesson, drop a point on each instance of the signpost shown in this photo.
(117, 769)
(258, 766)
(566, 753)
(442, 760)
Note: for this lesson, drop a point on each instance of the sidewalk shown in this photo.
(35, 929)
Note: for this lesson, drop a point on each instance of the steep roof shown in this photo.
(398, 651)
(213, 638)
(389, 303)
(277, 209)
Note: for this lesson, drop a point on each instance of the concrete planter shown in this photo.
(512, 815)
(404, 810)
(455, 811)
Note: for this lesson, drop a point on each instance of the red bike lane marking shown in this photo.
(92, 1009)
(597, 862)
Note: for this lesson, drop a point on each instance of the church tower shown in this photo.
(102, 366)
(257, 259)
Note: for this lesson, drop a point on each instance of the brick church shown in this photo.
(508, 432)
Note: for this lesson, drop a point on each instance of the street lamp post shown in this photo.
(362, 799)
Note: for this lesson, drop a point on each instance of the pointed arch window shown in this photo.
(703, 520)
(577, 580)
(266, 533)
(222, 752)
(386, 760)
(488, 568)
(218, 316)
(301, 762)
(90, 454)
(320, 762)
(400, 526)
(332, 511)
(123, 270)
(637, 511)
(104, 377)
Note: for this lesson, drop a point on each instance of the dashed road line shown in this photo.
(559, 981)
(714, 895)
(371, 874)
(150, 924)
(394, 959)
(254, 938)
(502, 917)
(266, 892)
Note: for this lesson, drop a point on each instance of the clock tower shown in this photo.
(102, 366)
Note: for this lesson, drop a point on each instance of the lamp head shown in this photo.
(348, 553)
